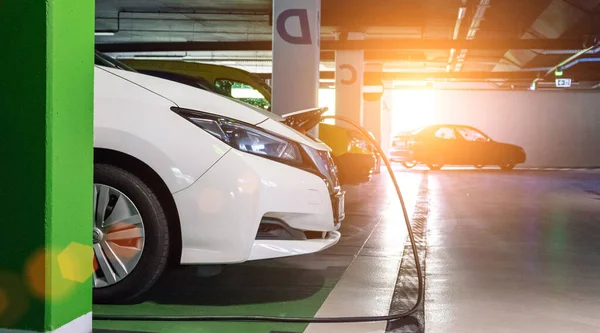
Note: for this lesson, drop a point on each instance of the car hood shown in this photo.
(187, 97)
(507, 145)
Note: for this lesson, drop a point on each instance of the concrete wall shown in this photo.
(556, 129)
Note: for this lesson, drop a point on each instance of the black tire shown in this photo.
(507, 166)
(507, 163)
(155, 253)
(437, 164)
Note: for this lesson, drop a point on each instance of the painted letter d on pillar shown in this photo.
(302, 14)
(296, 55)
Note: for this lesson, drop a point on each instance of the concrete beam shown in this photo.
(350, 45)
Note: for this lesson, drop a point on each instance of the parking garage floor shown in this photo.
(505, 252)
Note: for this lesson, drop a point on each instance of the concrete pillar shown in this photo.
(372, 109)
(296, 55)
(46, 140)
(349, 72)
(387, 107)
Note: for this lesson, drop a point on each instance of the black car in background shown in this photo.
(445, 144)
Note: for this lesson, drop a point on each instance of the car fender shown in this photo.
(135, 121)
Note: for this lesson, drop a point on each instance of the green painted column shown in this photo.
(46, 156)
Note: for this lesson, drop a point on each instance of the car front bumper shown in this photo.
(267, 249)
(221, 212)
(401, 155)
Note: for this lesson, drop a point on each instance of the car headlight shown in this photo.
(245, 137)
(254, 140)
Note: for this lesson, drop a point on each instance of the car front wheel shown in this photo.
(507, 164)
(436, 164)
(130, 236)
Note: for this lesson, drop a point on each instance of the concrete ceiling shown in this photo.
(150, 21)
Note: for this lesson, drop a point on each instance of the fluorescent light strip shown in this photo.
(461, 12)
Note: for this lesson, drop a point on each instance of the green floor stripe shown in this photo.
(305, 307)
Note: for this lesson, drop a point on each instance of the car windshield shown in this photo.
(102, 59)
(471, 134)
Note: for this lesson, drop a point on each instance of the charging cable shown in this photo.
(323, 320)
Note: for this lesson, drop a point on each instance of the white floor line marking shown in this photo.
(367, 286)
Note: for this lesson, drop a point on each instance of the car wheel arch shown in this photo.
(152, 179)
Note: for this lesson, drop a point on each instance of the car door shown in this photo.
(444, 146)
(474, 146)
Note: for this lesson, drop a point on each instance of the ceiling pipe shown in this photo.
(577, 61)
(560, 52)
(570, 59)
(350, 45)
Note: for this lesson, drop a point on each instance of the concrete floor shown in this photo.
(513, 252)
(507, 252)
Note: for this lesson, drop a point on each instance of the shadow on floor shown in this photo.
(236, 285)
(404, 325)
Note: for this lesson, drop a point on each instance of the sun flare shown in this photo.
(412, 109)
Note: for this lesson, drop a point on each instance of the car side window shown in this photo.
(445, 133)
(471, 135)
(243, 92)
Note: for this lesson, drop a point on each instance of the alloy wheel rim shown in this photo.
(118, 236)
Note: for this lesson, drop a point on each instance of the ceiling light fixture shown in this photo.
(461, 12)
(104, 33)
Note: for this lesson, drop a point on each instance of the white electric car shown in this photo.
(187, 175)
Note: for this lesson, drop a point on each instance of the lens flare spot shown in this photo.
(74, 262)
(248, 183)
(3, 302)
(36, 272)
(14, 299)
(36, 275)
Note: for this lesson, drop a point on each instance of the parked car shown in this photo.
(443, 144)
(197, 178)
(352, 152)
(400, 150)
